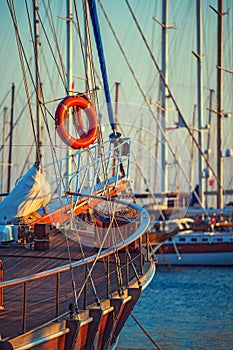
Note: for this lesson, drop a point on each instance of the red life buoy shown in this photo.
(86, 137)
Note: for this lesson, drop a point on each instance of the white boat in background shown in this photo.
(198, 248)
(205, 242)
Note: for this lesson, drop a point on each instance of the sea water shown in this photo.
(184, 308)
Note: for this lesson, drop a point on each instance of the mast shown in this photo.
(117, 85)
(87, 46)
(207, 176)
(38, 83)
(69, 46)
(164, 93)
(219, 104)
(11, 137)
(116, 103)
(69, 77)
(3, 148)
(199, 56)
(219, 110)
(192, 146)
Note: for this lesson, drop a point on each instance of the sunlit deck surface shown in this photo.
(40, 295)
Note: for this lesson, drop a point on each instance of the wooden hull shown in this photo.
(98, 327)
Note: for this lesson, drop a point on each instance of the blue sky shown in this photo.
(182, 40)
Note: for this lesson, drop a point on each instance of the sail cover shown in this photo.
(32, 191)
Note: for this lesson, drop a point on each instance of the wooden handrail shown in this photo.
(143, 226)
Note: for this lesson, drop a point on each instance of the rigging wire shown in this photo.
(56, 173)
(100, 139)
(17, 120)
(86, 49)
(144, 95)
(112, 210)
(4, 98)
(145, 331)
(147, 102)
(97, 34)
(52, 26)
(73, 281)
(61, 74)
(51, 83)
(89, 274)
(22, 57)
(111, 205)
(140, 168)
(44, 110)
(171, 95)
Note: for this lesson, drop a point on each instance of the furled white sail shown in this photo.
(32, 191)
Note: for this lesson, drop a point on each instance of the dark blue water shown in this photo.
(184, 308)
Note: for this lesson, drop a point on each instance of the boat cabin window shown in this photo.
(205, 239)
(193, 239)
(182, 239)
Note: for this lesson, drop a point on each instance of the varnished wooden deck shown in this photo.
(38, 298)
